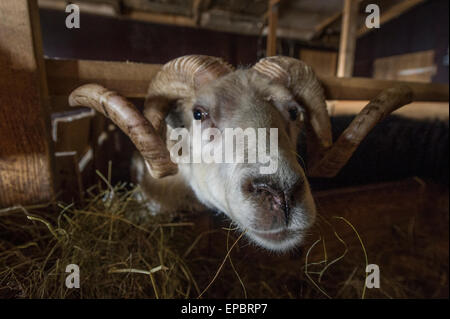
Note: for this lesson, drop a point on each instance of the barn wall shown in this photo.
(112, 39)
(425, 27)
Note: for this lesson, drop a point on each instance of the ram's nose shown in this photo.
(273, 202)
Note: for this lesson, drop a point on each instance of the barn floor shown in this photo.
(402, 227)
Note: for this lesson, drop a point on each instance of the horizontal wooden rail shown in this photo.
(132, 79)
(366, 88)
(415, 110)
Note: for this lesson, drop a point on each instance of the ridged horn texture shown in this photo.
(300, 79)
(304, 85)
(378, 108)
(180, 79)
(125, 115)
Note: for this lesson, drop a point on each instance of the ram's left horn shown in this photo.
(125, 115)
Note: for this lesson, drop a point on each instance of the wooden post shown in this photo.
(25, 161)
(348, 38)
(273, 23)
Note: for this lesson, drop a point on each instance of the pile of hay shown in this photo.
(189, 256)
(117, 258)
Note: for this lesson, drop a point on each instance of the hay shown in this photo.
(174, 256)
(107, 246)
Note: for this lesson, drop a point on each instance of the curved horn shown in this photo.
(125, 115)
(179, 79)
(300, 79)
(382, 105)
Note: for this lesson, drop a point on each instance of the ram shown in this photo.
(275, 210)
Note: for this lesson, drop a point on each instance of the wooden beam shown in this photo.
(129, 79)
(132, 79)
(291, 33)
(348, 38)
(26, 174)
(198, 6)
(371, 211)
(415, 110)
(211, 19)
(223, 21)
(159, 18)
(322, 62)
(273, 24)
(393, 12)
(106, 8)
(367, 88)
(326, 22)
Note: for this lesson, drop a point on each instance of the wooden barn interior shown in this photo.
(389, 206)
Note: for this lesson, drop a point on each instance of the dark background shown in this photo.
(424, 27)
(404, 147)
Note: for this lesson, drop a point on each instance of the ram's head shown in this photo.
(282, 93)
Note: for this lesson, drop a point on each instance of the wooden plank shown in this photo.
(173, 7)
(132, 79)
(198, 6)
(372, 209)
(273, 24)
(25, 162)
(106, 8)
(416, 67)
(319, 28)
(415, 110)
(169, 19)
(221, 20)
(348, 38)
(366, 88)
(393, 12)
(71, 132)
(322, 62)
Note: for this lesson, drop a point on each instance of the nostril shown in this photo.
(273, 200)
(261, 188)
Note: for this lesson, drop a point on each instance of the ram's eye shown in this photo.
(293, 113)
(199, 114)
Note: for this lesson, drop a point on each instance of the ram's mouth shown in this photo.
(281, 240)
(273, 236)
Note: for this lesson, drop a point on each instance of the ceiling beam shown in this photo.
(106, 8)
(159, 18)
(201, 15)
(320, 27)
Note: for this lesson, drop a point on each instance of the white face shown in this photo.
(265, 219)
(275, 210)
